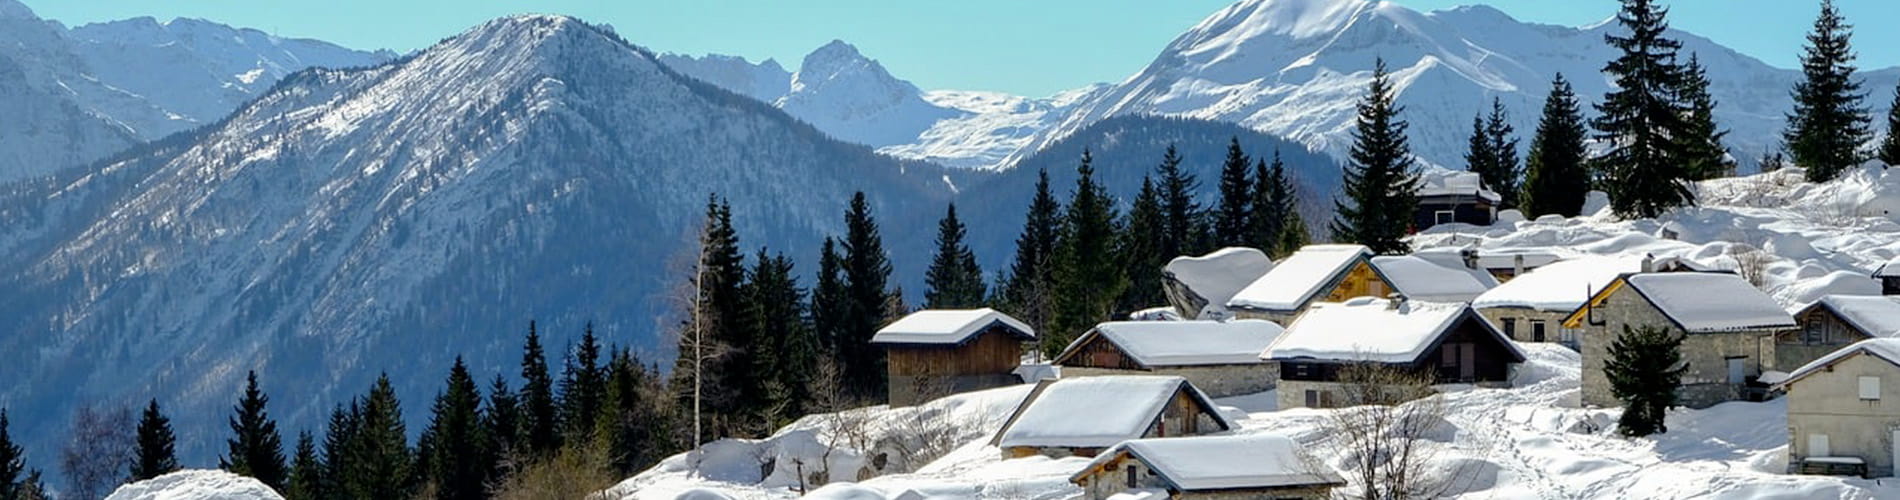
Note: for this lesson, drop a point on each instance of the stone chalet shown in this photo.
(1726, 321)
(1083, 416)
(935, 353)
(1210, 467)
(1448, 342)
(1219, 357)
(1844, 411)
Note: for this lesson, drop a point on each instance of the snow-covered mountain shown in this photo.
(92, 90)
(390, 218)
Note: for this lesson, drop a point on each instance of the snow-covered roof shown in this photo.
(1419, 277)
(1874, 315)
(1162, 313)
(1710, 302)
(1508, 259)
(948, 326)
(1889, 270)
(1222, 462)
(1220, 274)
(1442, 182)
(1294, 281)
(1372, 329)
(1097, 412)
(1183, 343)
(1884, 348)
(1562, 286)
(196, 484)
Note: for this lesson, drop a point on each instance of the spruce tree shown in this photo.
(867, 273)
(1141, 253)
(627, 424)
(339, 442)
(1032, 274)
(306, 471)
(459, 461)
(1828, 125)
(1703, 155)
(255, 449)
(503, 420)
(954, 280)
(540, 418)
(1890, 148)
(777, 313)
(582, 384)
(1479, 156)
(1644, 368)
(12, 463)
(828, 299)
(1556, 179)
(155, 456)
(1271, 201)
(1236, 198)
(379, 460)
(1181, 230)
(1643, 169)
(1294, 236)
(1088, 275)
(728, 373)
(1378, 181)
(1502, 172)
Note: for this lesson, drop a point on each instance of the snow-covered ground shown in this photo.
(196, 484)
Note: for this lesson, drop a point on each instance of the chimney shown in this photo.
(1393, 301)
(1649, 263)
(1470, 256)
(1517, 265)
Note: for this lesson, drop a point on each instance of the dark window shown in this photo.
(1510, 328)
(1131, 477)
(1448, 355)
(1816, 331)
(1537, 331)
(1312, 398)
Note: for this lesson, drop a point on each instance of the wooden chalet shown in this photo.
(1454, 196)
(1219, 357)
(1447, 342)
(1083, 416)
(1832, 323)
(934, 353)
(1262, 466)
(1315, 273)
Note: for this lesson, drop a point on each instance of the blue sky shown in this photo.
(1034, 47)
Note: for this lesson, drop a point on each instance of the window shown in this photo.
(1312, 398)
(1813, 332)
(1448, 355)
(1510, 328)
(1131, 477)
(1443, 216)
(1537, 331)
(1870, 388)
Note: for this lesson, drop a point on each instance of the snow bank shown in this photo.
(1220, 274)
(196, 484)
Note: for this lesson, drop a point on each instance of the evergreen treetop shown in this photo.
(1828, 124)
(1643, 168)
(1088, 277)
(1381, 189)
(459, 461)
(954, 280)
(1032, 274)
(540, 419)
(1556, 178)
(867, 272)
(1644, 368)
(255, 449)
(155, 456)
(1181, 213)
(1236, 198)
(1890, 147)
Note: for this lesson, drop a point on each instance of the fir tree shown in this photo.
(540, 418)
(503, 420)
(627, 422)
(1644, 367)
(867, 272)
(1378, 180)
(255, 450)
(306, 471)
(779, 314)
(827, 298)
(954, 280)
(1236, 198)
(379, 461)
(1493, 154)
(727, 373)
(1141, 251)
(1294, 236)
(338, 448)
(1829, 123)
(1478, 154)
(1556, 180)
(12, 464)
(582, 384)
(1088, 276)
(459, 460)
(1890, 148)
(155, 455)
(1181, 231)
(1032, 275)
(1703, 155)
(1643, 169)
(1271, 201)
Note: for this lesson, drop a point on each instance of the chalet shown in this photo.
(1262, 466)
(1532, 307)
(1315, 273)
(1448, 196)
(1083, 416)
(1199, 287)
(1832, 323)
(1220, 357)
(1449, 343)
(1889, 276)
(934, 353)
(1844, 411)
(1433, 277)
(1725, 321)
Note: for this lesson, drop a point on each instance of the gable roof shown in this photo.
(1887, 349)
(1562, 286)
(1877, 316)
(1369, 329)
(1705, 302)
(1889, 270)
(1220, 274)
(948, 327)
(1096, 412)
(1296, 280)
(1425, 277)
(1221, 462)
(1182, 343)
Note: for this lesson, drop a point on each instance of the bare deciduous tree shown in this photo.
(690, 331)
(94, 459)
(1752, 263)
(1388, 414)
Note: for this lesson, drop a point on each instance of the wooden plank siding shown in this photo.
(991, 352)
(1098, 352)
(1360, 281)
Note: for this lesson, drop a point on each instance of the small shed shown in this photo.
(934, 353)
(1844, 411)
(1727, 324)
(1447, 342)
(1083, 416)
(1532, 307)
(1448, 196)
(1199, 287)
(1889, 276)
(1209, 467)
(1834, 322)
(1315, 273)
(1220, 357)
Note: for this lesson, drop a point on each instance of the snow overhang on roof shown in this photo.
(949, 327)
(1296, 280)
(1155, 344)
(1097, 412)
(1207, 463)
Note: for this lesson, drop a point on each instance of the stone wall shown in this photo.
(1553, 321)
(1217, 381)
(1828, 403)
(1704, 383)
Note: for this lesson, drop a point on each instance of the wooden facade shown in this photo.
(1468, 353)
(1360, 280)
(1465, 208)
(1182, 416)
(922, 372)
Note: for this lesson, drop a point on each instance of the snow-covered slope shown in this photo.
(853, 98)
(390, 218)
(196, 484)
(1296, 67)
(765, 81)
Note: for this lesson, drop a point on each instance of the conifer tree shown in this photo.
(867, 272)
(627, 424)
(339, 441)
(1828, 125)
(13, 480)
(1181, 231)
(582, 384)
(1478, 154)
(379, 460)
(778, 314)
(1088, 275)
(1031, 283)
(1890, 148)
(1644, 368)
(540, 418)
(306, 471)
(1236, 198)
(1294, 235)
(828, 298)
(255, 449)
(459, 457)
(503, 420)
(1703, 155)
(1378, 182)
(1141, 251)
(1493, 154)
(1556, 179)
(1643, 169)
(1272, 198)
(155, 456)
(954, 280)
